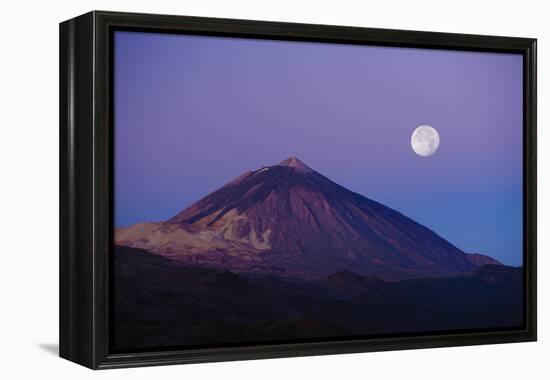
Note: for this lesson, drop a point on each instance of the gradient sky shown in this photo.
(193, 112)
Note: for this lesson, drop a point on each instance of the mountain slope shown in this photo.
(289, 220)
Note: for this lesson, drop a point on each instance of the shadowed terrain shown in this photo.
(161, 303)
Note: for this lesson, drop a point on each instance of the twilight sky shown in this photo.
(193, 112)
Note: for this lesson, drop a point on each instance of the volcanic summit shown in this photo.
(289, 220)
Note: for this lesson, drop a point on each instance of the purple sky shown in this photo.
(192, 113)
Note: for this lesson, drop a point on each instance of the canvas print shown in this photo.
(272, 191)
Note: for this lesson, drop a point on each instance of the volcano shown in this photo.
(289, 220)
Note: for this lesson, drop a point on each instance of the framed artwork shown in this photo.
(240, 189)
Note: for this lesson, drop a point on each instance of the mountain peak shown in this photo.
(294, 162)
(289, 220)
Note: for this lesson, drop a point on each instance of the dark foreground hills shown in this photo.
(288, 220)
(159, 302)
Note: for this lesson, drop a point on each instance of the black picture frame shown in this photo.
(86, 178)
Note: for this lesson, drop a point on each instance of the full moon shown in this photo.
(425, 140)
